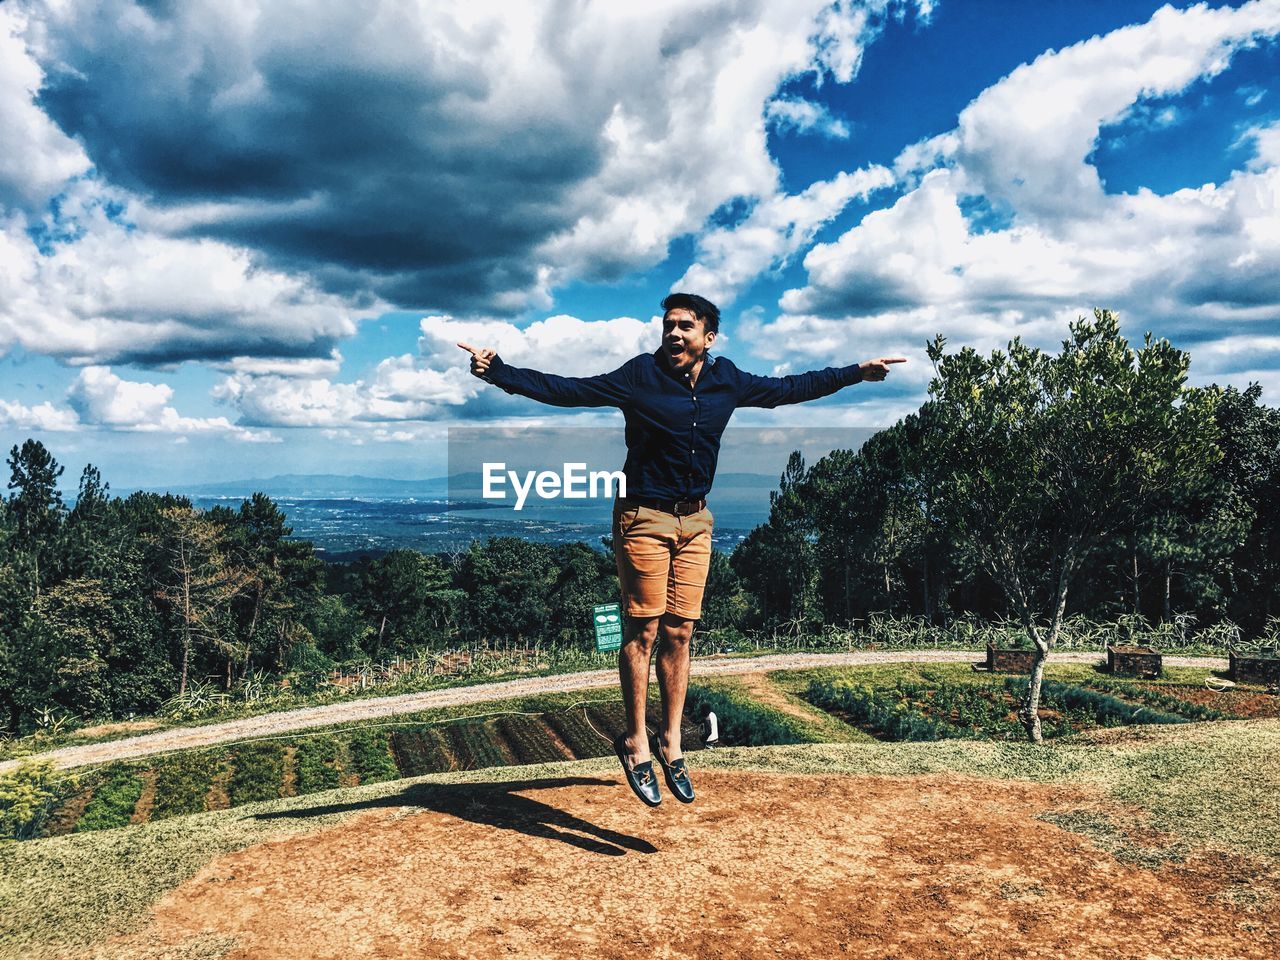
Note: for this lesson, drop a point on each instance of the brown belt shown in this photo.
(681, 508)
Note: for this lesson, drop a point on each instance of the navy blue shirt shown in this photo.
(673, 430)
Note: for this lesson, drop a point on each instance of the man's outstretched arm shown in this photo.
(758, 391)
(606, 390)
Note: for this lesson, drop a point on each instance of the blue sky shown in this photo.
(247, 246)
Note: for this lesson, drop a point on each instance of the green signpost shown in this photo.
(607, 619)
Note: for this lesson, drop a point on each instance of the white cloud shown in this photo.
(844, 27)
(1024, 141)
(805, 116)
(1004, 228)
(36, 158)
(561, 344)
(1265, 139)
(101, 398)
(152, 212)
(113, 293)
(400, 389)
(42, 416)
(284, 366)
(437, 384)
(468, 156)
(777, 229)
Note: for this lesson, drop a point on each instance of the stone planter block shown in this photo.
(1002, 660)
(1246, 669)
(1134, 662)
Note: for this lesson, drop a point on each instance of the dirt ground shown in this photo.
(1242, 703)
(762, 865)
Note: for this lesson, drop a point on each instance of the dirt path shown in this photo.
(762, 866)
(271, 724)
(764, 692)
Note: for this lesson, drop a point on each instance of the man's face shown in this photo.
(685, 340)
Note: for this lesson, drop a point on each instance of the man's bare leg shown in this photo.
(633, 671)
(673, 679)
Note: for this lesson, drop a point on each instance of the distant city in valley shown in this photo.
(349, 516)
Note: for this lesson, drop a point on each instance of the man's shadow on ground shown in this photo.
(498, 805)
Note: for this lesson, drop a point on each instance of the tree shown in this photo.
(1042, 458)
(36, 505)
(63, 650)
(407, 597)
(283, 581)
(777, 558)
(1249, 434)
(88, 548)
(197, 584)
(583, 578)
(509, 583)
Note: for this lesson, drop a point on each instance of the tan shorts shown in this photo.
(662, 560)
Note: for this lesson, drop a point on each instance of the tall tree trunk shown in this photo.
(1029, 715)
(1136, 604)
(1030, 712)
(186, 656)
(848, 599)
(186, 617)
(1167, 614)
(928, 598)
(253, 626)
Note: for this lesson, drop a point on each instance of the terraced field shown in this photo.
(892, 702)
(216, 778)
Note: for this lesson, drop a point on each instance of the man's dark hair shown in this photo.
(702, 308)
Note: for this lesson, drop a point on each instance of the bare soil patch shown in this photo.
(64, 820)
(146, 800)
(1242, 703)
(289, 779)
(763, 865)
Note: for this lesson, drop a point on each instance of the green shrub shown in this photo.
(371, 756)
(182, 783)
(27, 796)
(1166, 702)
(113, 802)
(742, 721)
(884, 711)
(527, 737)
(474, 745)
(258, 770)
(575, 732)
(1106, 710)
(318, 762)
(309, 668)
(420, 752)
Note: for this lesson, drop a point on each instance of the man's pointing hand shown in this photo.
(879, 369)
(479, 359)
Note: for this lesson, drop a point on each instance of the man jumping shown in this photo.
(677, 402)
